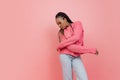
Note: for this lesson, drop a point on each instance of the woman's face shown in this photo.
(61, 22)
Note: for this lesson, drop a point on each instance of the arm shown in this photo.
(59, 37)
(76, 36)
(81, 49)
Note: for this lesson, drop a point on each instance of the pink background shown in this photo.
(28, 38)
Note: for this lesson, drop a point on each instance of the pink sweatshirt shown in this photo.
(72, 41)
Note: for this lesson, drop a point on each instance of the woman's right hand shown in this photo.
(96, 52)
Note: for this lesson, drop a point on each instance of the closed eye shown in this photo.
(59, 23)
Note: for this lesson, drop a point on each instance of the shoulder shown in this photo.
(77, 24)
(59, 33)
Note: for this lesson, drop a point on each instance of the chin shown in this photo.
(63, 28)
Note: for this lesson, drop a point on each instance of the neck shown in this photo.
(68, 24)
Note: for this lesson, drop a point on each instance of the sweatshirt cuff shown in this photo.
(93, 50)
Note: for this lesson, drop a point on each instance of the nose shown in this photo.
(60, 26)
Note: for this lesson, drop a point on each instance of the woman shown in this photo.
(71, 46)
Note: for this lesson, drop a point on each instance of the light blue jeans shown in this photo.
(70, 63)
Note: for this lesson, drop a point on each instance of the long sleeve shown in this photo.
(81, 49)
(75, 37)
